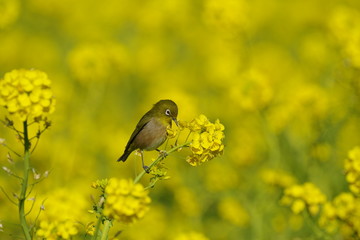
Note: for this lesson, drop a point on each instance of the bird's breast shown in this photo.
(151, 136)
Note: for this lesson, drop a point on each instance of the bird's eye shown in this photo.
(167, 112)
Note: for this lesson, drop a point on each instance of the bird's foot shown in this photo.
(146, 169)
(162, 153)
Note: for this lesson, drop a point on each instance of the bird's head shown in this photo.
(166, 109)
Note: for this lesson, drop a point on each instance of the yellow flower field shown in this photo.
(268, 142)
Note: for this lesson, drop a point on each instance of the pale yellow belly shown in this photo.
(152, 136)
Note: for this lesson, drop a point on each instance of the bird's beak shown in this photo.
(176, 121)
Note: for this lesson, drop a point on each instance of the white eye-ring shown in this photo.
(167, 112)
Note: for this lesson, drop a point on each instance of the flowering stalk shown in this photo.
(24, 183)
(105, 233)
(126, 200)
(99, 209)
(27, 96)
(97, 228)
(160, 157)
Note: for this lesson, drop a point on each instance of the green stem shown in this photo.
(24, 183)
(105, 233)
(160, 157)
(97, 228)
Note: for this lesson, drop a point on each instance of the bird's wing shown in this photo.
(135, 133)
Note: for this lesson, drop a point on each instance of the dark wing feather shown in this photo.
(135, 133)
(140, 126)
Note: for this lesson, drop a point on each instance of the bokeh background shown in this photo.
(282, 76)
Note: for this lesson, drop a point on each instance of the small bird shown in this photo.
(150, 132)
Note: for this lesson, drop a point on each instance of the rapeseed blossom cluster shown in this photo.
(61, 215)
(125, 202)
(352, 170)
(232, 211)
(277, 178)
(207, 140)
(284, 80)
(338, 216)
(227, 16)
(171, 132)
(101, 183)
(53, 230)
(253, 91)
(27, 94)
(9, 12)
(159, 171)
(343, 214)
(303, 197)
(97, 62)
(345, 25)
(191, 236)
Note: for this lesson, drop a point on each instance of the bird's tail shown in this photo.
(124, 156)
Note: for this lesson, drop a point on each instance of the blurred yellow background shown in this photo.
(282, 76)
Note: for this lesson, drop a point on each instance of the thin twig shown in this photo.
(37, 136)
(29, 124)
(8, 197)
(31, 188)
(117, 233)
(188, 136)
(40, 132)
(14, 175)
(38, 181)
(11, 150)
(178, 136)
(166, 143)
(152, 184)
(36, 143)
(37, 216)
(160, 157)
(11, 126)
(31, 208)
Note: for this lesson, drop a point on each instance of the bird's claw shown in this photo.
(146, 169)
(163, 153)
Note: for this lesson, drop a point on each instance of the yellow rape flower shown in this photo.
(171, 132)
(352, 168)
(277, 178)
(126, 202)
(100, 184)
(328, 218)
(344, 23)
(67, 229)
(9, 12)
(344, 205)
(191, 236)
(347, 208)
(57, 229)
(27, 94)
(90, 229)
(342, 214)
(207, 141)
(252, 92)
(46, 230)
(61, 219)
(301, 197)
(97, 62)
(231, 210)
(228, 16)
(159, 171)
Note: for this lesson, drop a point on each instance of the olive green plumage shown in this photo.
(151, 132)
